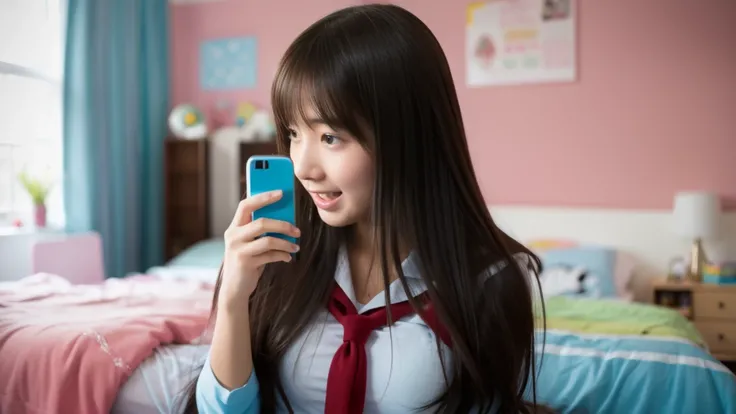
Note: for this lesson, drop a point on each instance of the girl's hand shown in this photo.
(246, 253)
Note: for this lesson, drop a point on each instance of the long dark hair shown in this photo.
(377, 72)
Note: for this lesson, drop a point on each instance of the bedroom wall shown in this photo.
(597, 160)
(651, 113)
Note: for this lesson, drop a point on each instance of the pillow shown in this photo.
(594, 266)
(203, 254)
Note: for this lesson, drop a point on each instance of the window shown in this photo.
(31, 65)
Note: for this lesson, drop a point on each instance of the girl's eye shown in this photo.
(330, 139)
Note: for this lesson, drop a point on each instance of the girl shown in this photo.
(389, 212)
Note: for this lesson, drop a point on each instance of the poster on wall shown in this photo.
(512, 42)
(229, 63)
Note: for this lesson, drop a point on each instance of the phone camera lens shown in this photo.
(259, 165)
(265, 165)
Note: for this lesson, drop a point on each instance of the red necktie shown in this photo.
(346, 382)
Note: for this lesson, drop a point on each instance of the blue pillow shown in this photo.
(206, 253)
(599, 264)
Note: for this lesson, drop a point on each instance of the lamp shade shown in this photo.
(696, 214)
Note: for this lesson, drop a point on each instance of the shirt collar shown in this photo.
(409, 266)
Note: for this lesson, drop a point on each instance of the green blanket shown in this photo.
(602, 316)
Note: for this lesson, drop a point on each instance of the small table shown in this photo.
(712, 308)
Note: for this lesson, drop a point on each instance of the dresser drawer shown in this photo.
(721, 305)
(720, 336)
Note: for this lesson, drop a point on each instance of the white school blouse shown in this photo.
(404, 371)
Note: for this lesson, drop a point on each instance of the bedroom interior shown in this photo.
(622, 184)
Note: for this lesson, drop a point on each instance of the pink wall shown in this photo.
(653, 111)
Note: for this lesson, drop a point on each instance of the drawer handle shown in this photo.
(721, 337)
(721, 305)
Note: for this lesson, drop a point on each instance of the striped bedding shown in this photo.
(604, 356)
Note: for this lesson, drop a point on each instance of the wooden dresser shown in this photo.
(712, 308)
(715, 318)
(186, 184)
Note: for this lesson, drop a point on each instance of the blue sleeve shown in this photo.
(213, 398)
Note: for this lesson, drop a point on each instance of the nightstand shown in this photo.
(16, 245)
(712, 308)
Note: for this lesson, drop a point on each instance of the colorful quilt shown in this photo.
(607, 356)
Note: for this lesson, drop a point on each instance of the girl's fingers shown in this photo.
(271, 256)
(263, 225)
(235, 236)
(268, 244)
(247, 206)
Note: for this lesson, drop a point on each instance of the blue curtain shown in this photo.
(116, 99)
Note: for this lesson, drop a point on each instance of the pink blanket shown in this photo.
(68, 349)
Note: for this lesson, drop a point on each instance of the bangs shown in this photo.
(313, 77)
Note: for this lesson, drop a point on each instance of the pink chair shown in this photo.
(76, 257)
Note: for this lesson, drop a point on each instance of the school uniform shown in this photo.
(402, 367)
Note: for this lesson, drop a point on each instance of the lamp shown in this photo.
(696, 216)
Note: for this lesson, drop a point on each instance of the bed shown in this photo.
(128, 345)
(160, 383)
(610, 356)
(600, 352)
(603, 353)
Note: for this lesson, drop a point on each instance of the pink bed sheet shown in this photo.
(68, 348)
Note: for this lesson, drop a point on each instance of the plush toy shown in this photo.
(568, 281)
(245, 112)
(187, 122)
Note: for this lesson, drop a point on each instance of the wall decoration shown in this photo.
(520, 41)
(228, 63)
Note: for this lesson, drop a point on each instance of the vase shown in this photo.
(40, 215)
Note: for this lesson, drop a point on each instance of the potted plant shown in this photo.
(38, 190)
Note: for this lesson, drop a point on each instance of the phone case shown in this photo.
(265, 173)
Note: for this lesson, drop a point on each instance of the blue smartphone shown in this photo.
(264, 173)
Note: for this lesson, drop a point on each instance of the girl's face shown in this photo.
(335, 169)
